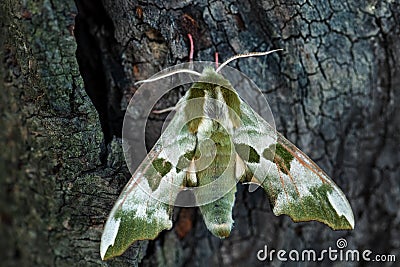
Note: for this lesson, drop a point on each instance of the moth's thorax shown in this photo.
(212, 98)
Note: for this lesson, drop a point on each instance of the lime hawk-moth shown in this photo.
(213, 141)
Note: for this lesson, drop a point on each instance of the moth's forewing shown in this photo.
(145, 205)
(295, 185)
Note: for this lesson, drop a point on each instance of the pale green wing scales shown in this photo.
(145, 205)
(295, 185)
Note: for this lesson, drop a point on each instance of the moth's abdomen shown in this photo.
(219, 175)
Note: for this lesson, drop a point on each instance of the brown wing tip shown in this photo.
(221, 230)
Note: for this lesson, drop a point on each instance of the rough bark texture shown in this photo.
(334, 93)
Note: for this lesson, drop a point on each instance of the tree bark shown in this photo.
(68, 71)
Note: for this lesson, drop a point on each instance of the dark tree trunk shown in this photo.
(334, 92)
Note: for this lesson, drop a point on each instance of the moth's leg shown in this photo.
(160, 111)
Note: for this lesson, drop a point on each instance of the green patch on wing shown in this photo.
(279, 155)
(162, 167)
(132, 227)
(183, 161)
(316, 206)
(247, 153)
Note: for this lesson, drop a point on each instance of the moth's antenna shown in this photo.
(167, 75)
(176, 71)
(251, 54)
(191, 47)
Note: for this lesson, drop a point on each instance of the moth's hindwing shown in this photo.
(295, 185)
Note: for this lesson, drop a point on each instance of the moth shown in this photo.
(215, 139)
